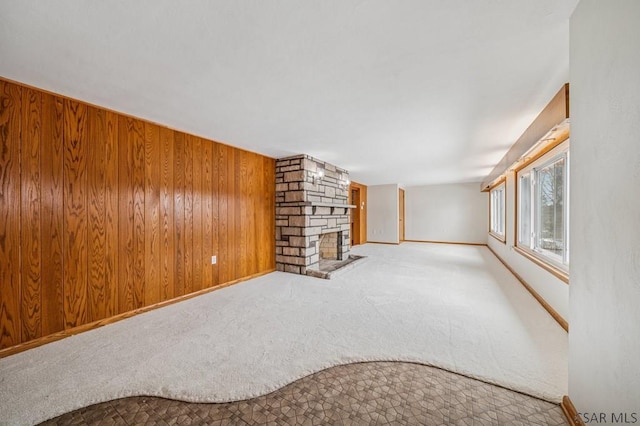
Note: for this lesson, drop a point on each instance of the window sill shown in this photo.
(501, 238)
(557, 272)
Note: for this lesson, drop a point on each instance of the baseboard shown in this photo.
(570, 412)
(97, 324)
(563, 323)
(382, 242)
(445, 242)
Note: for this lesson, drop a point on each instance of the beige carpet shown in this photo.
(454, 307)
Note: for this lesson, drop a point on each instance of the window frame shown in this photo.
(558, 266)
(502, 187)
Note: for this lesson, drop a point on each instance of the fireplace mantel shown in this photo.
(315, 204)
(319, 204)
(341, 206)
(332, 206)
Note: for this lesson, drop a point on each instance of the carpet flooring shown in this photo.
(372, 393)
(453, 307)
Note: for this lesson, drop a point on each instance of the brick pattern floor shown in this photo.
(373, 393)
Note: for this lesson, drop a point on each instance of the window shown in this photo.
(497, 211)
(543, 208)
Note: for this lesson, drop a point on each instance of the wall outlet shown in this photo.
(213, 260)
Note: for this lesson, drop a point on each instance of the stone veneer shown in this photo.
(305, 210)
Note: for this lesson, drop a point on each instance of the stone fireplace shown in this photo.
(312, 214)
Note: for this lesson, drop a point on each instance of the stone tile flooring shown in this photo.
(373, 393)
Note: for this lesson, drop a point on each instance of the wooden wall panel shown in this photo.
(254, 201)
(259, 232)
(125, 218)
(111, 214)
(247, 225)
(167, 241)
(221, 159)
(266, 232)
(101, 214)
(10, 114)
(136, 141)
(132, 210)
(242, 222)
(30, 215)
(178, 213)
(152, 213)
(97, 233)
(188, 214)
(75, 213)
(196, 215)
(52, 229)
(226, 182)
(269, 194)
(206, 207)
(214, 190)
(234, 243)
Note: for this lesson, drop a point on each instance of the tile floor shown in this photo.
(377, 393)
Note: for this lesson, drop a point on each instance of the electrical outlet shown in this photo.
(213, 260)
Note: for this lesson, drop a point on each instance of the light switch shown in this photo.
(213, 260)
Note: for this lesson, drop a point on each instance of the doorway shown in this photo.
(401, 227)
(358, 214)
(354, 193)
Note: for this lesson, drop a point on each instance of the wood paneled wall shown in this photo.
(102, 213)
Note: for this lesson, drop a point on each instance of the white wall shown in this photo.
(604, 333)
(554, 291)
(383, 214)
(448, 213)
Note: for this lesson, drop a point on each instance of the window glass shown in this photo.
(524, 219)
(543, 196)
(497, 210)
(550, 237)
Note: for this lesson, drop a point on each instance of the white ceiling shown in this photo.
(410, 92)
